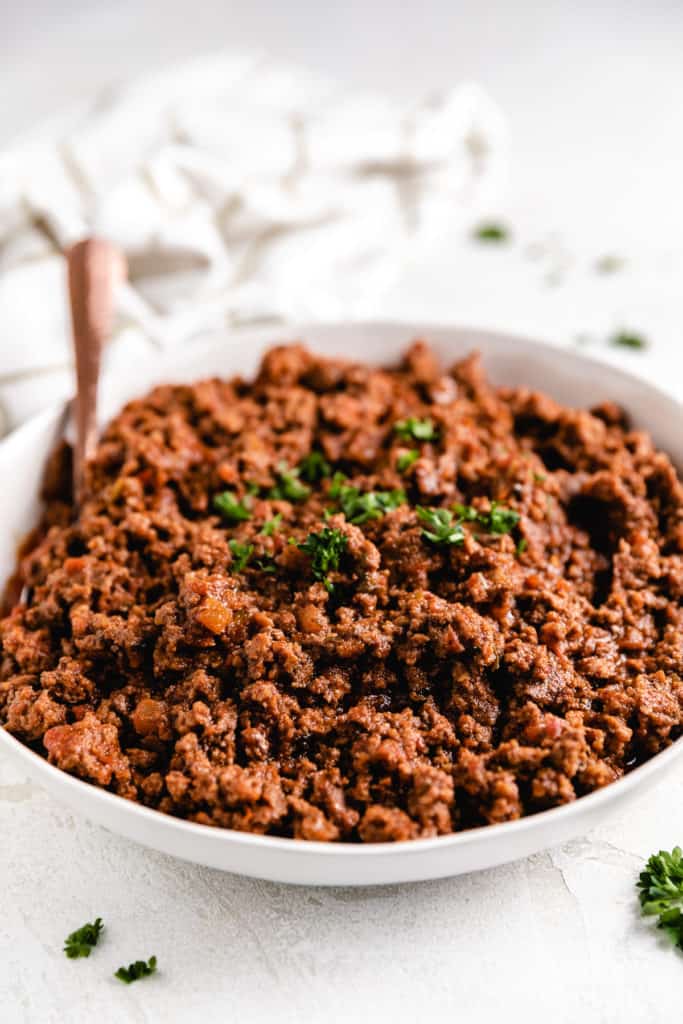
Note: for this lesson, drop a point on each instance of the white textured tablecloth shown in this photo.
(242, 190)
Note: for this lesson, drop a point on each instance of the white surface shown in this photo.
(592, 92)
(568, 377)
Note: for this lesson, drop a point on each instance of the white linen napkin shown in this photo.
(242, 190)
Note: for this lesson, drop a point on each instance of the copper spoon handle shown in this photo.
(94, 267)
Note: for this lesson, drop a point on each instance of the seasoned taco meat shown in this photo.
(343, 603)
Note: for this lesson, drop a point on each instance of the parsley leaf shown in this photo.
(271, 526)
(661, 892)
(418, 430)
(326, 549)
(314, 467)
(442, 529)
(466, 513)
(135, 971)
(522, 546)
(501, 519)
(241, 553)
(406, 459)
(266, 563)
(83, 940)
(498, 520)
(491, 231)
(289, 487)
(628, 339)
(231, 508)
(358, 507)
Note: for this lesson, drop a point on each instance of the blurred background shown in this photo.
(589, 149)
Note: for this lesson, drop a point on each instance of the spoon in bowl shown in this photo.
(94, 268)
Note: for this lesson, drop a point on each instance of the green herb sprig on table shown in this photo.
(325, 549)
(416, 430)
(135, 971)
(628, 339)
(491, 231)
(83, 940)
(661, 892)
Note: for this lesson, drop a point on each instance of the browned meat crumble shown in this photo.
(210, 666)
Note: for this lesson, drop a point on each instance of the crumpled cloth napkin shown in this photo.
(242, 191)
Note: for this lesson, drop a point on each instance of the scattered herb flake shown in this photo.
(466, 513)
(628, 339)
(231, 508)
(540, 478)
(241, 553)
(522, 546)
(271, 526)
(491, 231)
(441, 528)
(135, 971)
(83, 940)
(326, 549)
(499, 520)
(406, 459)
(289, 487)
(609, 264)
(359, 508)
(314, 467)
(661, 892)
(415, 429)
(266, 563)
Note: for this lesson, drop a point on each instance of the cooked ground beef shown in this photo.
(347, 603)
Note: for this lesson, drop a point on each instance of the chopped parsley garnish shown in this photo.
(522, 546)
(288, 486)
(326, 549)
(359, 508)
(439, 526)
(266, 563)
(231, 508)
(416, 430)
(135, 971)
(241, 553)
(661, 892)
(540, 478)
(499, 520)
(466, 513)
(406, 459)
(491, 231)
(83, 940)
(628, 339)
(314, 467)
(271, 526)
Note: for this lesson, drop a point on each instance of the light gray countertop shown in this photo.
(593, 100)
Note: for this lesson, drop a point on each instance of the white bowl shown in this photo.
(569, 377)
